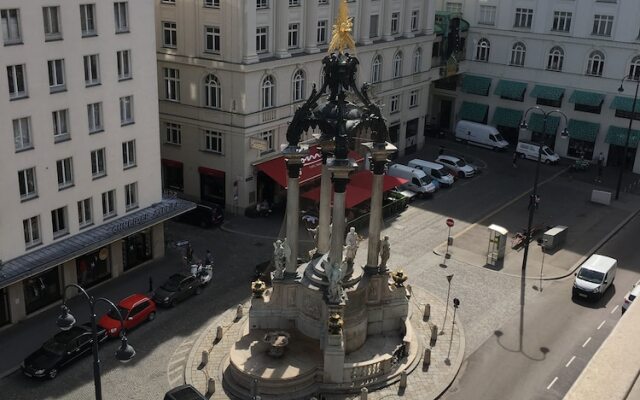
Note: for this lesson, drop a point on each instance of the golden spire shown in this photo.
(341, 37)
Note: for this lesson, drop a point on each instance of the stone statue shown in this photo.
(336, 291)
(287, 252)
(385, 252)
(314, 233)
(351, 244)
(279, 259)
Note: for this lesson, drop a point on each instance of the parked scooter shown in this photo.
(204, 272)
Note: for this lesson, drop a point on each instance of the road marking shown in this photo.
(587, 341)
(570, 361)
(178, 360)
(182, 350)
(552, 382)
(614, 309)
(637, 283)
(601, 323)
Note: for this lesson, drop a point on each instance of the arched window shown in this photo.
(212, 91)
(634, 69)
(518, 52)
(268, 92)
(482, 50)
(417, 60)
(397, 65)
(556, 58)
(298, 85)
(595, 65)
(376, 69)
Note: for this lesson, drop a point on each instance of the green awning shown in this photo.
(536, 121)
(475, 112)
(476, 84)
(624, 104)
(547, 92)
(507, 117)
(511, 89)
(583, 130)
(618, 136)
(586, 98)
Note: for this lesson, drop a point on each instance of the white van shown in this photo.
(594, 276)
(417, 180)
(480, 134)
(436, 171)
(530, 150)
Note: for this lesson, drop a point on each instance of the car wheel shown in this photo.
(53, 373)
(151, 316)
(173, 302)
(199, 290)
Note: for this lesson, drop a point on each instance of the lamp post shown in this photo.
(626, 143)
(66, 321)
(534, 195)
(456, 303)
(446, 308)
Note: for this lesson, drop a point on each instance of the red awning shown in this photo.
(171, 163)
(211, 172)
(311, 167)
(365, 178)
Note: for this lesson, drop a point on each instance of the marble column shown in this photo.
(311, 26)
(282, 28)
(324, 219)
(364, 22)
(293, 158)
(249, 54)
(428, 17)
(340, 181)
(407, 9)
(385, 16)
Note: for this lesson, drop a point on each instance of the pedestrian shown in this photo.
(534, 201)
(515, 160)
(600, 167)
(189, 253)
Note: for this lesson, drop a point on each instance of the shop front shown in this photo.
(411, 135)
(212, 185)
(42, 289)
(173, 175)
(5, 315)
(136, 249)
(582, 138)
(93, 268)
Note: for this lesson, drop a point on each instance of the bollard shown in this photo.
(239, 312)
(427, 312)
(426, 360)
(254, 388)
(211, 386)
(205, 358)
(409, 290)
(403, 380)
(218, 335)
(434, 334)
(364, 393)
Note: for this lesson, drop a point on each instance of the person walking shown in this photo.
(600, 167)
(515, 160)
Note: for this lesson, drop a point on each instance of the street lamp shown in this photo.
(66, 321)
(446, 308)
(534, 195)
(626, 143)
(456, 303)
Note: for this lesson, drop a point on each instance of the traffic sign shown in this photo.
(449, 222)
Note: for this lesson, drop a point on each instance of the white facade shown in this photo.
(267, 60)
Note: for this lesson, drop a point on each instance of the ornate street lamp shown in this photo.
(626, 143)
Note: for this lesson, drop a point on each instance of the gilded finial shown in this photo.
(341, 37)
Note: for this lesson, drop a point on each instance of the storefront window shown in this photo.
(5, 317)
(93, 268)
(136, 249)
(212, 188)
(173, 177)
(411, 136)
(578, 148)
(42, 290)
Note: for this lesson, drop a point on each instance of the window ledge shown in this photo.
(87, 85)
(127, 123)
(30, 246)
(109, 216)
(58, 235)
(14, 98)
(173, 144)
(85, 226)
(131, 208)
(89, 34)
(61, 138)
(126, 167)
(13, 43)
(29, 197)
(96, 131)
(52, 38)
(24, 149)
(96, 177)
(119, 32)
(217, 153)
(127, 78)
(65, 187)
(60, 89)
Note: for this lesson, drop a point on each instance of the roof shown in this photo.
(130, 301)
(599, 263)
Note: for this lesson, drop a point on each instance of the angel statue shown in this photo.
(279, 259)
(385, 253)
(336, 292)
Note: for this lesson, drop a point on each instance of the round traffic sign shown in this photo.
(449, 222)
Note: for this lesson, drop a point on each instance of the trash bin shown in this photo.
(555, 237)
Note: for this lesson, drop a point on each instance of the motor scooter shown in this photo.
(204, 272)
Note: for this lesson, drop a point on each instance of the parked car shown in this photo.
(204, 216)
(177, 288)
(184, 392)
(134, 309)
(594, 277)
(457, 166)
(59, 351)
(629, 297)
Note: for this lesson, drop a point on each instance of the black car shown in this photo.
(177, 288)
(204, 216)
(184, 392)
(63, 348)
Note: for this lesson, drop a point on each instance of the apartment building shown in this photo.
(569, 55)
(231, 74)
(80, 186)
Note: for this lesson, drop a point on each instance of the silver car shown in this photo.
(457, 166)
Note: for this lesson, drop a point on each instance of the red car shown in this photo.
(135, 309)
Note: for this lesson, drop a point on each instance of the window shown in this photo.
(31, 228)
(108, 204)
(417, 60)
(268, 138)
(94, 114)
(394, 107)
(98, 163)
(376, 69)
(268, 95)
(88, 19)
(212, 39)
(556, 57)
(415, 20)
(173, 133)
(454, 7)
(373, 26)
(634, 69)
(298, 85)
(172, 84)
(395, 22)
(602, 25)
(212, 3)
(173, 2)
(59, 221)
(414, 98)
(51, 17)
(294, 3)
(262, 39)
(169, 35)
(91, 70)
(323, 2)
(22, 133)
(397, 65)
(11, 26)
(17, 79)
(262, 4)
(524, 16)
(518, 51)
(56, 76)
(321, 37)
(293, 38)
(212, 92)
(213, 141)
(85, 214)
(561, 21)
(121, 11)
(131, 196)
(27, 183)
(60, 125)
(126, 110)
(124, 64)
(595, 64)
(64, 168)
(129, 154)
(487, 15)
(482, 50)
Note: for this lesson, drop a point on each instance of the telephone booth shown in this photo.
(497, 244)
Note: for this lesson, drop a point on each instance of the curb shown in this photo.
(8, 372)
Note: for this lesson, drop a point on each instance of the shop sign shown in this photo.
(147, 216)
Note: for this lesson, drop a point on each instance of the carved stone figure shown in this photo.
(287, 251)
(336, 292)
(385, 252)
(279, 259)
(351, 244)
